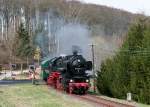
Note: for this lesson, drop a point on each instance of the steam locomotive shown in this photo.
(67, 73)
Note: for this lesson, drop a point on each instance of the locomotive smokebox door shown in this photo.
(89, 65)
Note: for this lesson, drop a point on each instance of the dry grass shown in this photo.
(27, 95)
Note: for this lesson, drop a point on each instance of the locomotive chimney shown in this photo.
(76, 49)
(75, 52)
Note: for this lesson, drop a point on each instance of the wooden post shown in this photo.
(93, 60)
(21, 68)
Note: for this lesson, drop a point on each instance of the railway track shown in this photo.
(101, 102)
(98, 101)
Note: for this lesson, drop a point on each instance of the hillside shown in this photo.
(46, 20)
(102, 20)
(108, 20)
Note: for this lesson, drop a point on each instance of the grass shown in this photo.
(113, 99)
(27, 95)
(117, 100)
(142, 105)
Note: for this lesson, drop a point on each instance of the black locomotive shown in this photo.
(67, 73)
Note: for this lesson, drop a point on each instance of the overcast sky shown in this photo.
(135, 6)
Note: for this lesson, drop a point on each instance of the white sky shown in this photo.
(134, 6)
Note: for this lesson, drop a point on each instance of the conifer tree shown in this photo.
(129, 70)
(23, 44)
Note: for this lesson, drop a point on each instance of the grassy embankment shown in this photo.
(27, 95)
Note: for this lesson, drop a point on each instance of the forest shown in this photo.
(44, 18)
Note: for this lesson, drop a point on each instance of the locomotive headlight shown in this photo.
(87, 80)
(71, 80)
